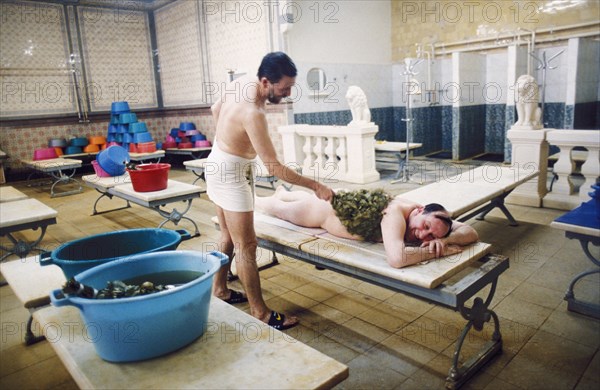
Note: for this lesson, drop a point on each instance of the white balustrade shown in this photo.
(332, 153)
(564, 194)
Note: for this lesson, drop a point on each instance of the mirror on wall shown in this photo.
(316, 79)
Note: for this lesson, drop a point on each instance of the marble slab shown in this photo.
(10, 194)
(146, 156)
(576, 228)
(174, 189)
(428, 274)
(236, 352)
(367, 256)
(457, 198)
(30, 281)
(188, 150)
(24, 211)
(387, 146)
(54, 164)
(198, 164)
(506, 178)
(104, 183)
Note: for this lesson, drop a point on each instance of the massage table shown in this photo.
(143, 157)
(582, 224)
(197, 168)
(398, 150)
(54, 168)
(232, 353)
(121, 187)
(450, 281)
(481, 189)
(24, 214)
(9, 194)
(195, 153)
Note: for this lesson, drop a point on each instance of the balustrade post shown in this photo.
(590, 170)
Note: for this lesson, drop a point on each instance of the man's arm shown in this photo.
(398, 255)
(461, 234)
(255, 124)
(216, 110)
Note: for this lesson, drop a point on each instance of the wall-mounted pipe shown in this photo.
(508, 35)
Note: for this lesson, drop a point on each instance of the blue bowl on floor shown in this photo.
(160, 322)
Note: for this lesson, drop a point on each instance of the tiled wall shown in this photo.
(20, 141)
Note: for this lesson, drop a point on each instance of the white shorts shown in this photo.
(230, 180)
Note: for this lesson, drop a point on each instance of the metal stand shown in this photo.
(574, 304)
(408, 73)
(544, 64)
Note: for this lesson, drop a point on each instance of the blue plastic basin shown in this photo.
(183, 126)
(80, 255)
(147, 326)
(119, 107)
(113, 159)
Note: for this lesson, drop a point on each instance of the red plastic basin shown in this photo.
(149, 177)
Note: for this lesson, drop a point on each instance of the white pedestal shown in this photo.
(529, 150)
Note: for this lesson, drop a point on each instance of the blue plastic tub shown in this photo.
(139, 138)
(147, 326)
(183, 126)
(80, 255)
(113, 159)
(119, 108)
(138, 127)
(129, 117)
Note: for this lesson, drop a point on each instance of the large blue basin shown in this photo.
(147, 326)
(82, 254)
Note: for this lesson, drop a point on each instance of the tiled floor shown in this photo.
(387, 339)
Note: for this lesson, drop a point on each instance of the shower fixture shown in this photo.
(409, 74)
(544, 65)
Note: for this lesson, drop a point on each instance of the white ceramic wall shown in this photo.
(355, 32)
(556, 79)
(375, 81)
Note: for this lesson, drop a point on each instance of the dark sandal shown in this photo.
(277, 321)
(235, 297)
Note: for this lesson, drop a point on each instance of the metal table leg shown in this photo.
(573, 304)
(22, 248)
(476, 316)
(64, 178)
(109, 196)
(176, 216)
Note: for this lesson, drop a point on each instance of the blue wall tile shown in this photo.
(495, 129)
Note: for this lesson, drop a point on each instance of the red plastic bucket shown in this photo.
(149, 177)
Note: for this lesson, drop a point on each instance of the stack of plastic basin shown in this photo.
(125, 130)
(184, 137)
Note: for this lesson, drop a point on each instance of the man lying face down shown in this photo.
(410, 232)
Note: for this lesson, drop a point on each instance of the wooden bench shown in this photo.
(121, 187)
(450, 281)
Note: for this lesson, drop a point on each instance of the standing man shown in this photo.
(241, 135)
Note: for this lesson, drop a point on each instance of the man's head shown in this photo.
(426, 223)
(277, 74)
